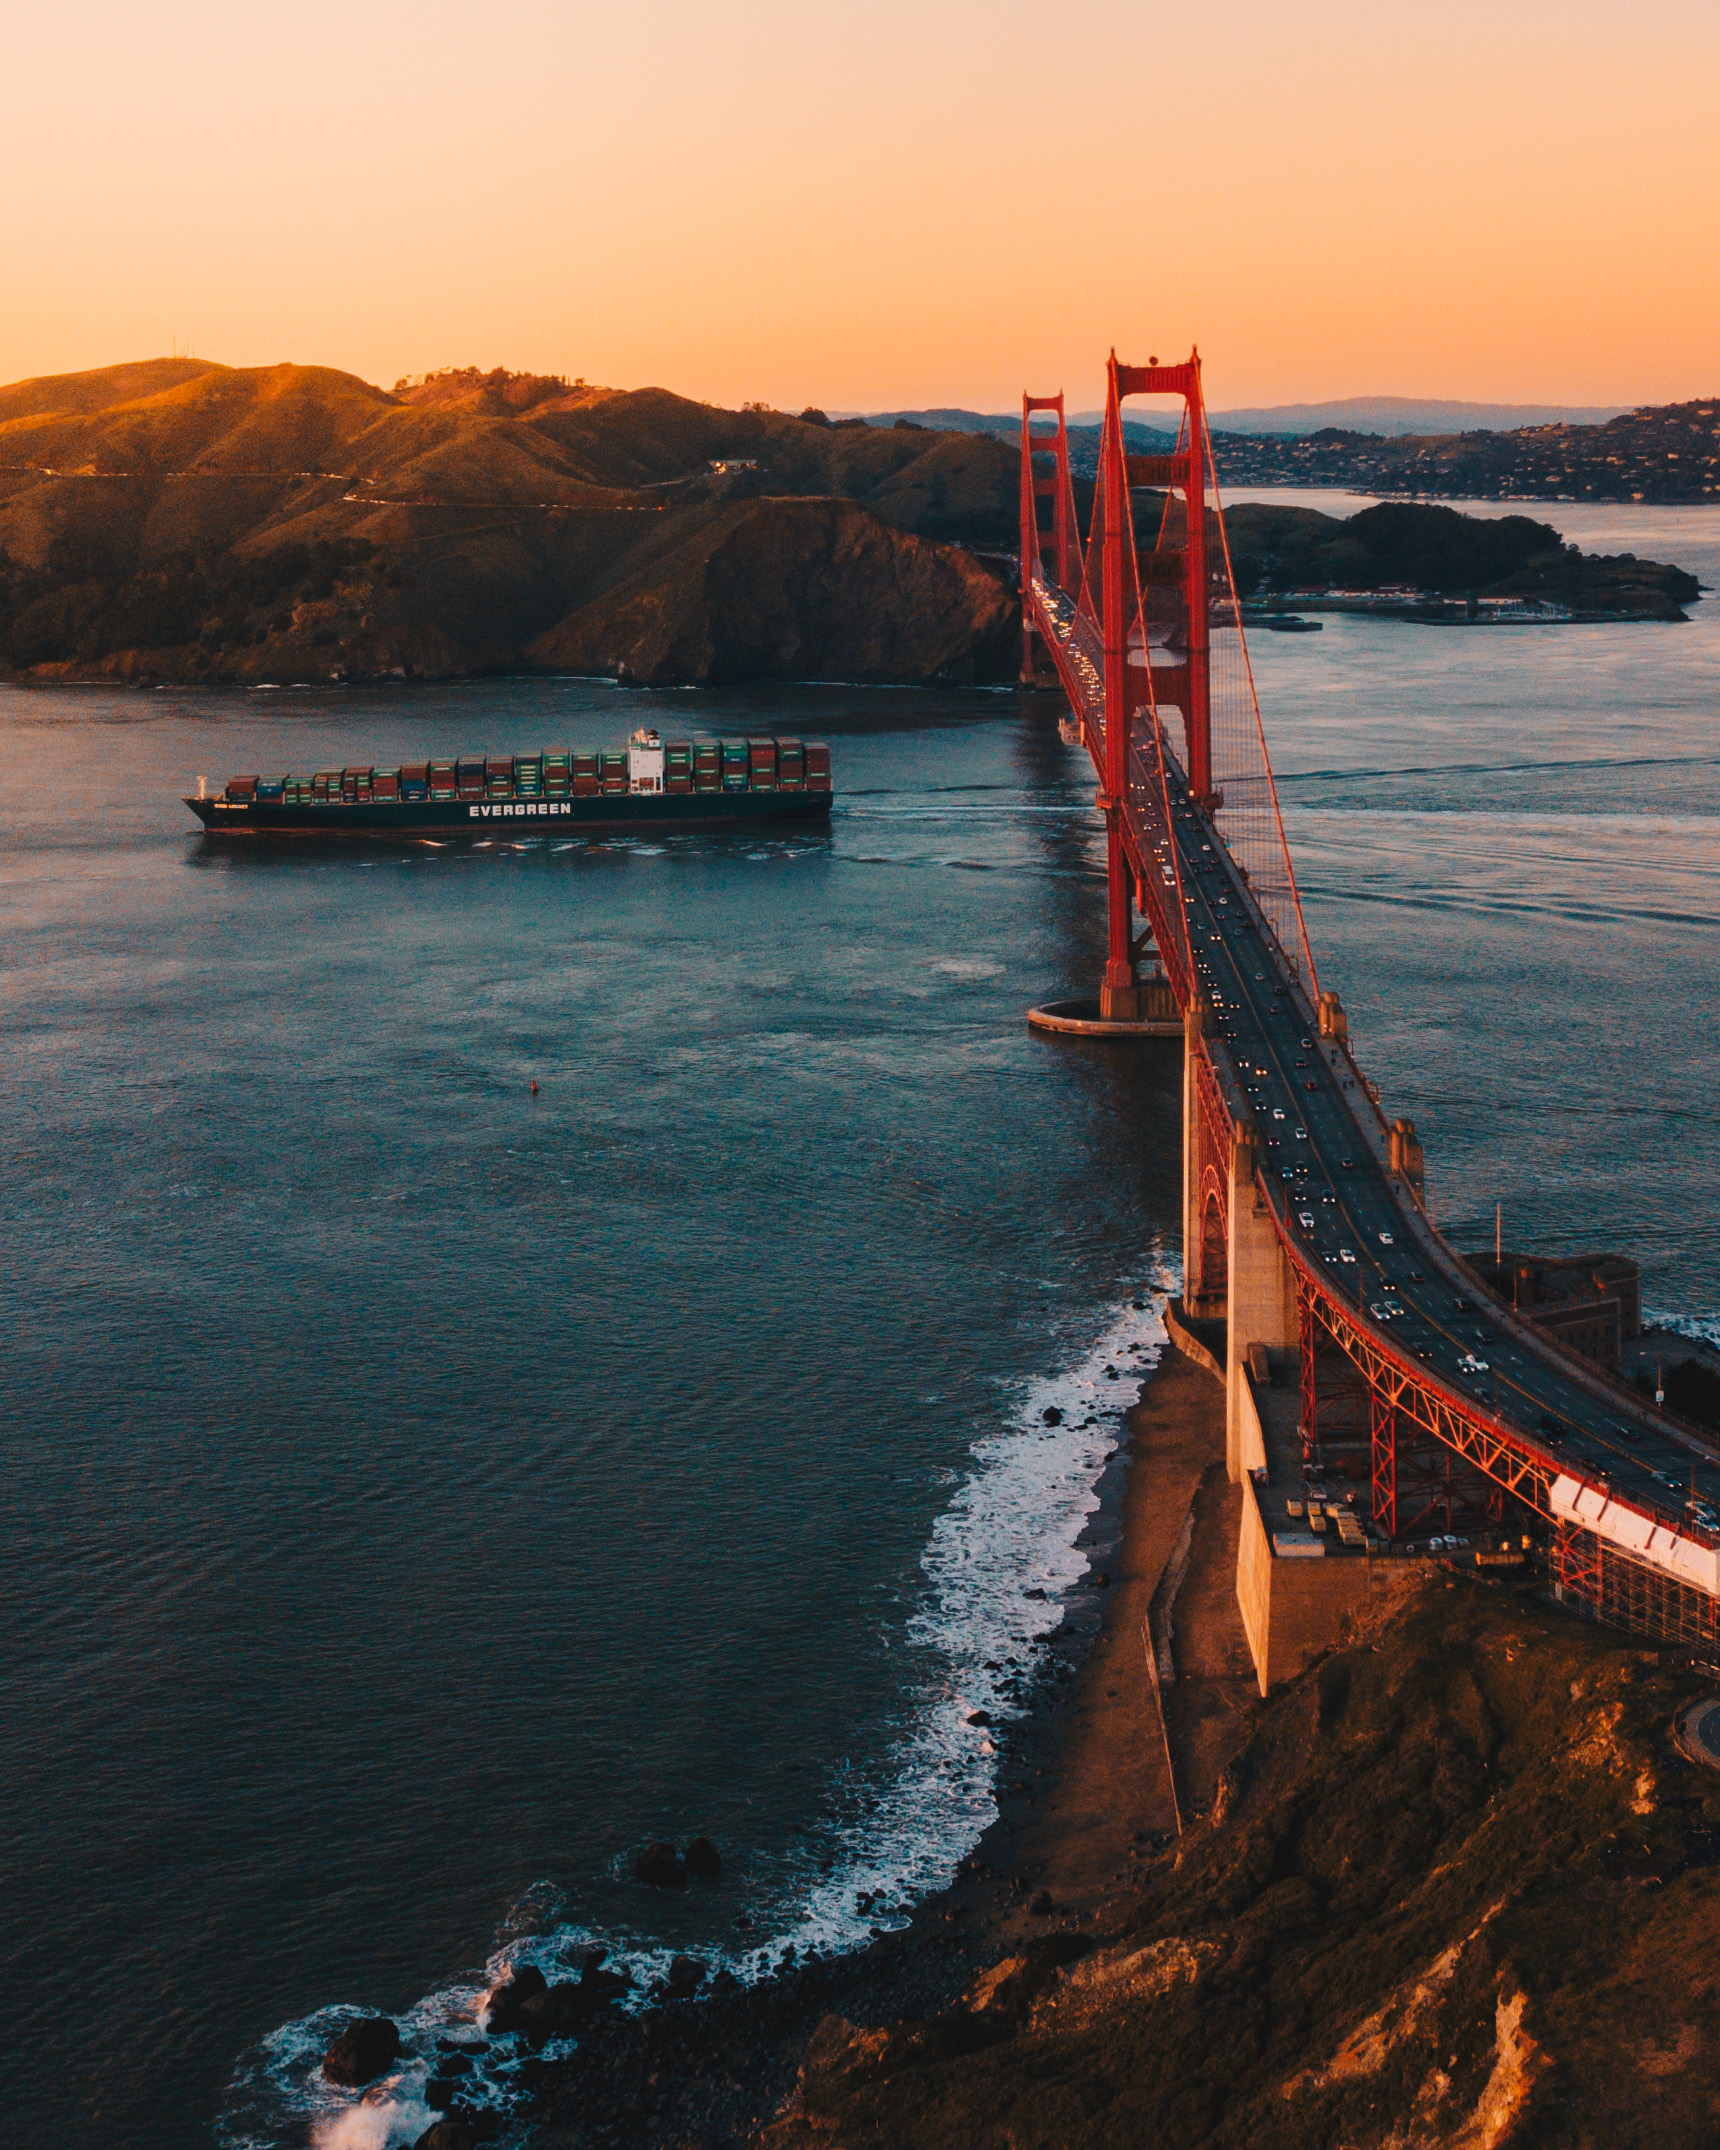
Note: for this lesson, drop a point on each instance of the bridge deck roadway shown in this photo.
(1356, 1233)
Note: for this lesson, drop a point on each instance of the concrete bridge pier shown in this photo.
(1206, 1281)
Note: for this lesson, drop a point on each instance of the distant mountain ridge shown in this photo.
(1395, 416)
(1390, 416)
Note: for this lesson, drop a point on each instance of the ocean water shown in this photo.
(1508, 844)
(419, 1493)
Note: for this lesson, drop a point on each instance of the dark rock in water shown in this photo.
(464, 2131)
(454, 2063)
(979, 1717)
(1051, 1415)
(703, 1859)
(511, 1996)
(440, 2092)
(461, 2045)
(362, 2052)
(559, 2010)
(602, 1985)
(686, 1975)
(660, 1867)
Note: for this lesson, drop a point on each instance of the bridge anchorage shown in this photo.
(1377, 1392)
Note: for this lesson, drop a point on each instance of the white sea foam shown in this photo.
(1700, 1328)
(1000, 1558)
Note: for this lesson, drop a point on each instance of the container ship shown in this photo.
(651, 782)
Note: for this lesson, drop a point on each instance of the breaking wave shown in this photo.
(1700, 1328)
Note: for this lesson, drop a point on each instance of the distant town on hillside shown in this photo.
(1666, 453)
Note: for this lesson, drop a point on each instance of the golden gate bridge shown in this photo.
(1306, 1229)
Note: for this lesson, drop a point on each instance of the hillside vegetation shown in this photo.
(178, 519)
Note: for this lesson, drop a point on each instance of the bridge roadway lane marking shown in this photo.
(1279, 1042)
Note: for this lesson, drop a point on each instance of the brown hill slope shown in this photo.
(1459, 1891)
(764, 589)
(181, 520)
(100, 390)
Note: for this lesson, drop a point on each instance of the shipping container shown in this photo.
(326, 784)
(385, 784)
(761, 764)
(528, 775)
(444, 779)
(734, 765)
(470, 772)
(556, 778)
(241, 787)
(817, 764)
(790, 765)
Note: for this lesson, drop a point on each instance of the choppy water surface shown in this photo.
(418, 1493)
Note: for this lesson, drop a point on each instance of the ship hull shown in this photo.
(514, 817)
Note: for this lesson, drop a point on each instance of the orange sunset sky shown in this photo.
(895, 205)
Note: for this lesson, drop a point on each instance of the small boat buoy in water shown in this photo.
(534, 1086)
